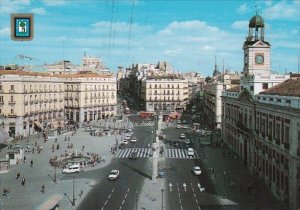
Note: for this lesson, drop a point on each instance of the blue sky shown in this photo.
(187, 34)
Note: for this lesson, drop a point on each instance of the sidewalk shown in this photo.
(29, 196)
(234, 185)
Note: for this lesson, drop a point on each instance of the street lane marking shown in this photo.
(141, 152)
(180, 154)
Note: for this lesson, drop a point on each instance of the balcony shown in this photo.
(11, 102)
(46, 100)
(240, 125)
(11, 91)
(41, 100)
(11, 115)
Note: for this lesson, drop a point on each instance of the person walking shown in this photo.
(43, 189)
(18, 175)
(31, 163)
(23, 181)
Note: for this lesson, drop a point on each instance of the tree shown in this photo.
(22, 25)
(208, 79)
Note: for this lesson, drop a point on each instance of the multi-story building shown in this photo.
(164, 93)
(30, 101)
(90, 97)
(261, 119)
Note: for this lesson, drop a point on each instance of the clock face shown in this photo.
(259, 59)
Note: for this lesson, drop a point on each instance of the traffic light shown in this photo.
(22, 26)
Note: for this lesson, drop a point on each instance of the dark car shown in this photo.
(133, 155)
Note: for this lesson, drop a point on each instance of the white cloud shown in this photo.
(284, 10)
(208, 48)
(54, 2)
(242, 9)
(39, 11)
(12, 6)
(5, 31)
(172, 53)
(240, 25)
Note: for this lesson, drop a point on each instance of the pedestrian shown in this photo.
(43, 189)
(55, 140)
(57, 147)
(18, 175)
(31, 163)
(23, 181)
(24, 159)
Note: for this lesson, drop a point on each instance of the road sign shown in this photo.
(22, 26)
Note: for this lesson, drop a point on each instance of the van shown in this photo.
(71, 169)
(190, 152)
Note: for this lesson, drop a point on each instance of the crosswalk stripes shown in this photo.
(141, 152)
(180, 154)
(146, 124)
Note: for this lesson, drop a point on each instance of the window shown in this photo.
(278, 100)
(12, 87)
(1, 99)
(265, 86)
(288, 101)
(11, 111)
(1, 88)
(0, 111)
(271, 99)
(11, 98)
(251, 88)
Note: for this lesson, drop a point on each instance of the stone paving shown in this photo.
(41, 173)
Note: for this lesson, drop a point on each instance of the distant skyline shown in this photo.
(186, 34)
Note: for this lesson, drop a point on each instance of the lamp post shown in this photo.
(73, 202)
(136, 199)
(162, 199)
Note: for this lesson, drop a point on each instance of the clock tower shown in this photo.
(256, 49)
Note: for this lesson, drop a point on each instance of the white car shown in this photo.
(191, 152)
(133, 140)
(72, 169)
(182, 136)
(114, 174)
(178, 126)
(197, 170)
(178, 122)
(185, 127)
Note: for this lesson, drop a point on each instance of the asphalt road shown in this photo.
(182, 187)
(123, 192)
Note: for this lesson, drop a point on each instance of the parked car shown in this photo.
(197, 170)
(125, 142)
(72, 169)
(178, 122)
(182, 136)
(191, 152)
(185, 127)
(114, 174)
(178, 126)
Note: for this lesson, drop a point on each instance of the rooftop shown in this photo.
(78, 75)
(234, 89)
(290, 87)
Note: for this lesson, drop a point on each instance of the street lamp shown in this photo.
(136, 199)
(54, 177)
(162, 199)
(73, 199)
